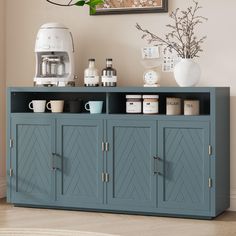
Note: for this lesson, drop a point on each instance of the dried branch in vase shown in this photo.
(182, 38)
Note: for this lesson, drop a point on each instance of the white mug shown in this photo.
(55, 106)
(37, 105)
(95, 107)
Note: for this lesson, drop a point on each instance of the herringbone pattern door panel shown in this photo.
(80, 148)
(184, 180)
(32, 159)
(80, 172)
(131, 146)
(34, 152)
(131, 163)
(184, 148)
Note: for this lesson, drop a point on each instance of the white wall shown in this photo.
(2, 98)
(115, 36)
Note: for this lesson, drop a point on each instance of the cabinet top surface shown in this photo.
(117, 89)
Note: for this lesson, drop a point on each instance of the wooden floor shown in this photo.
(16, 217)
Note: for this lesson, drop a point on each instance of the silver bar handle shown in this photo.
(106, 177)
(107, 147)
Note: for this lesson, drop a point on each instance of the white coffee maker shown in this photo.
(54, 50)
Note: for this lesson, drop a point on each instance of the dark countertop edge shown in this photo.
(114, 89)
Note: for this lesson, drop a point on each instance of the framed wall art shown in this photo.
(131, 6)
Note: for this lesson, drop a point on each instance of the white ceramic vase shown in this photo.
(187, 73)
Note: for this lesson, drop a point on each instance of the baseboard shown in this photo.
(233, 200)
(2, 187)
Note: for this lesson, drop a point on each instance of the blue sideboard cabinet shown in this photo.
(118, 162)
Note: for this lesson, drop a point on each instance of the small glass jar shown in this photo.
(134, 104)
(150, 104)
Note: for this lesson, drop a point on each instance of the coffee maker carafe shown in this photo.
(54, 56)
(53, 66)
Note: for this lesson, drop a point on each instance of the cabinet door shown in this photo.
(31, 156)
(79, 172)
(184, 166)
(130, 164)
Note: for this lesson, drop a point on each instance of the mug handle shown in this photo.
(49, 107)
(86, 106)
(30, 107)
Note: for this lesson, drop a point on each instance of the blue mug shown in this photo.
(95, 107)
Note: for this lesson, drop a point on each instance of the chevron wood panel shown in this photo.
(185, 152)
(131, 163)
(80, 160)
(33, 159)
(79, 144)
(185, 160)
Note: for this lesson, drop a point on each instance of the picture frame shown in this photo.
(131, 7)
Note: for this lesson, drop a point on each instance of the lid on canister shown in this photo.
(151, 96)
(135, 96)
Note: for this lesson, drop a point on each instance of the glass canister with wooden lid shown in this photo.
(134, 103)
(150, 104)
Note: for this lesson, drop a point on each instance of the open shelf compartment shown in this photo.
(21, 100)
(117, 101)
